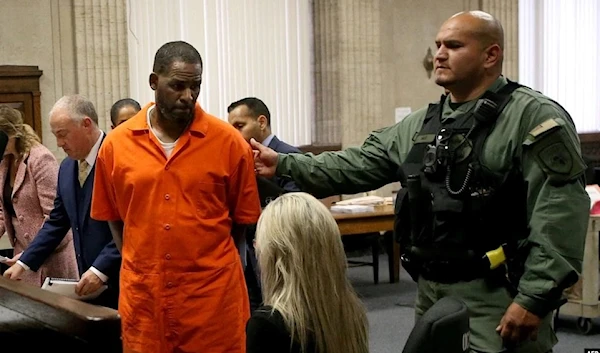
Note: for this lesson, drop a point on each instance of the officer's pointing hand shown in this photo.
(265, 159)
(518, 325)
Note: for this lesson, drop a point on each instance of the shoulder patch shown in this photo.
(556, 158)
(555, 151)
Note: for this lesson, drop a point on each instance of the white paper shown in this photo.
(352, 209)
(401, 113)
(66, 287)
(3, 258)
(365, 201)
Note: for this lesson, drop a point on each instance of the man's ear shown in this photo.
(153, 79)
(262, 122)
(87, 121)
(493, 56)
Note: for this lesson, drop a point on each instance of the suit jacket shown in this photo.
(93, 241)
(267, 192)
(279, 146)
(32, 195)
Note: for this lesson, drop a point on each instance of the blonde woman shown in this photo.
(28, 177)
(309, 305)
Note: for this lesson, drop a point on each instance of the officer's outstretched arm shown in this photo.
(558, 208)
(357, 169)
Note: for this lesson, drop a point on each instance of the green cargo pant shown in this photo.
(487, 304)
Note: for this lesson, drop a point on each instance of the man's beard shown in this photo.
(169, 113)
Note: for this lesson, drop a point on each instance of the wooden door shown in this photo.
(20, 89)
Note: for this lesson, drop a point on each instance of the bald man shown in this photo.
(493, 210)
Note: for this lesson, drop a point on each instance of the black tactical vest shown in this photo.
(451, 209)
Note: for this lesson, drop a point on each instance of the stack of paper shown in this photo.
(367, 200)
(66, 287)
(388, 200)
(337, 208)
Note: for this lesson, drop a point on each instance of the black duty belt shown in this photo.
(451, 266)
(452, 271)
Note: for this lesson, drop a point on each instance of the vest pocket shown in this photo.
(448, 221)
(444, 203)
(402, 217)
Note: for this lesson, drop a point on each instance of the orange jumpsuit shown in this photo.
(182, 283)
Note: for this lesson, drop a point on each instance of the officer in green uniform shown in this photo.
(493, 165)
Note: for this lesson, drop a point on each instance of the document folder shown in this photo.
(66, 287)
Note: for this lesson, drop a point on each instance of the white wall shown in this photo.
(259, 48)
(38, 32)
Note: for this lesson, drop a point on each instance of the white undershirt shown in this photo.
(168, 147)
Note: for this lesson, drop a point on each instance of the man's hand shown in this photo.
(88, 283)
(14, 272)
(518, 325)
(265, 159)
(14, 260)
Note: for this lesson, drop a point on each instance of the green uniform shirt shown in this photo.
(558, 205)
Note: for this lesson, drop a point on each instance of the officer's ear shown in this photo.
(493, 56)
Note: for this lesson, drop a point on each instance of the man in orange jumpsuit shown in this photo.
(177, 185)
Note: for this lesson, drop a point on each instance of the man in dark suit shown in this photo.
(74, 122)
(253, 120)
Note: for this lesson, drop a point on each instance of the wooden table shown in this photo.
(379, 221)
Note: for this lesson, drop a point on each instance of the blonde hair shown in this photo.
(11, 122)
(303, 275)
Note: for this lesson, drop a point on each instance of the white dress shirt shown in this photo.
(268, 140)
